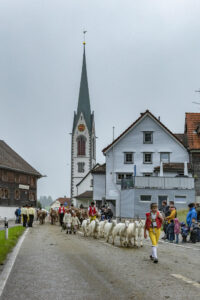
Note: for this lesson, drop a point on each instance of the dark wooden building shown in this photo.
(18, 180)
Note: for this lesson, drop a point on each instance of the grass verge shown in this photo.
(6, 245)
(181, 214)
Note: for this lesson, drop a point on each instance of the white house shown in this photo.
(138, 158)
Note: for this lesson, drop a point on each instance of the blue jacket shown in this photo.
(192, 214)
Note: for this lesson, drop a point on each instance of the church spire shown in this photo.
(84, 98)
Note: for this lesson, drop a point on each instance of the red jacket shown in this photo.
(61, 210)
(148, 221)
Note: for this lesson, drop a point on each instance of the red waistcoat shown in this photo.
(148, 221)
(92, 211)
(61, 211)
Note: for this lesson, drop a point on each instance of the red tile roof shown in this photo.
(63, 200)
(192, 122)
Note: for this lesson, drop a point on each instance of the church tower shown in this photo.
(83, 148)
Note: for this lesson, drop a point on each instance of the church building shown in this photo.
(83, 147)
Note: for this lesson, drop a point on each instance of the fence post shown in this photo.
(6, 228)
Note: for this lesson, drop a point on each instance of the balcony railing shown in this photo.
(158, 183)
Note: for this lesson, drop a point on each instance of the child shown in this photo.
(170, 231)
(184, 232)
(177, 229)
(153, 224)
(75, 223)
(68, 221)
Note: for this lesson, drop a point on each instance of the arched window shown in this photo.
(81, 142)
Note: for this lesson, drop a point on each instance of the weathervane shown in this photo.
(84, 33)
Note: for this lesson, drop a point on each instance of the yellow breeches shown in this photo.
(154, 235)
(92, 218)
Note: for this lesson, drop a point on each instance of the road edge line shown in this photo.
(10, 262)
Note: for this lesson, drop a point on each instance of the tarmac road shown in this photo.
(52, 266)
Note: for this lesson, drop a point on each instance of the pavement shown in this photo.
(52, 266)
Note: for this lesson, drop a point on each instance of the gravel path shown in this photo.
(52, 266)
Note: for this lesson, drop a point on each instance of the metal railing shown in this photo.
(154, 182)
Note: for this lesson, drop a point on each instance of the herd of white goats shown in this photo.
(130, 233)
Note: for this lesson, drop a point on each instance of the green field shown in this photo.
(6, 245)
(181, 214)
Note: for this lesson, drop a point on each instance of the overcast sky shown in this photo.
(141, 54)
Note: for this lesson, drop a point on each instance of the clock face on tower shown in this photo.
(81, 127)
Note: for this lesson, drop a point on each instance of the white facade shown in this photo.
(133, 142)
(85, 185)
(8, 212)
(99, 190)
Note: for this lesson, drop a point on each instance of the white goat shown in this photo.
(85, 225)
(140, 234)
(108, 228)
(130, 234)
(101, 228)
(93, 228)
(120, 230)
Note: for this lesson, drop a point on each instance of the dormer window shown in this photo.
(148, 137)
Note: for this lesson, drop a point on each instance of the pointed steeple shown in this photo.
(84, 98)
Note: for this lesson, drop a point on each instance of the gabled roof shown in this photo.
(85, 196)
(84, 99)
(87, 175)
(99, 170)
(192, 125)
(10, 160)
(143, 115)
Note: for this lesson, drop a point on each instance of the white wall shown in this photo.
(85, 185)
(99, 190)
(133, 142)
(8, 212)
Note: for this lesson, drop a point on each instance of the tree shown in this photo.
(39, 205)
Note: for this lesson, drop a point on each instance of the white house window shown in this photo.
(121, 176)
(81, 167)
(145, 198)
(164, 157)
(128, 157)
(180, 199)
(148, 137)
(148, 158)
(91, 183)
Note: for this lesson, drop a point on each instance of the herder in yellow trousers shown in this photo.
(153, 224)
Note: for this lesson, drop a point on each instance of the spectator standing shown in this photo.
(198, 211)
(24, 212)
(170, 231)
(170, 217)
(192, 214)
(177, 229)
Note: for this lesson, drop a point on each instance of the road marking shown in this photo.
(179, 276)
(10, 263)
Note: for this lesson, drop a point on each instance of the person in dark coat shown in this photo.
(170, 231)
